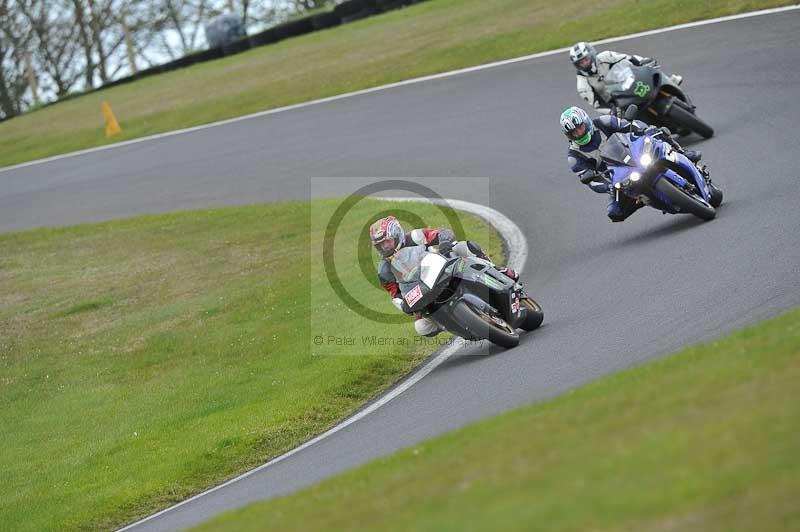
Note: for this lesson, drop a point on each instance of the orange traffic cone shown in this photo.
(112, 126)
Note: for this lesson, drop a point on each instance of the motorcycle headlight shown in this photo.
(646, 160)
(636, 176)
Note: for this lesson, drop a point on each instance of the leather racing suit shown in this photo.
(445, 239)
(592, 87)
(585, 160)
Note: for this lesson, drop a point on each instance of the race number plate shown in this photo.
(413, 296)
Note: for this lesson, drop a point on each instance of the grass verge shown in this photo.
(427, 38)
(703, 440)
(143, 360)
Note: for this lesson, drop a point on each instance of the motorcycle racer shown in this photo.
(583, 155)
(388, 236)
(593, 67)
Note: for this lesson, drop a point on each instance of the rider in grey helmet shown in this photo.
(592, 68)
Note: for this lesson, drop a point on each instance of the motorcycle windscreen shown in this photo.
(431, 267)
(407, 268)
(406, 263)
(620, 78)
(616, 150)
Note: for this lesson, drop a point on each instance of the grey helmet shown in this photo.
(578, 54)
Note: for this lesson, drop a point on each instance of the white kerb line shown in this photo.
(518, 254)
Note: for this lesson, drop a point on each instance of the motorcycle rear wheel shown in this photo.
(685, 119)
(684, 201)
(485, 326)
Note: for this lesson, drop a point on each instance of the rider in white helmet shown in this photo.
(592, 68)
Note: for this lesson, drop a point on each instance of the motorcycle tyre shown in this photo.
(687, 203)
(685, 119)
(481, 329)
(716, 195)
(535, 315)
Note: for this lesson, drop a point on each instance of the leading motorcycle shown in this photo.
(466, 296)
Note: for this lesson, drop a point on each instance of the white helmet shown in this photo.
(579, 53)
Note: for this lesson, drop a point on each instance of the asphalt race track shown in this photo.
(614, 294)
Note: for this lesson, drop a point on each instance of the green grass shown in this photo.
(432, 37)
(704, 440)
(143, 360)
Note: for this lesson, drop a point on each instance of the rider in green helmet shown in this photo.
(585, 138)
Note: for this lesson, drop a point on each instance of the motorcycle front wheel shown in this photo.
(684, 201)
(485, 326)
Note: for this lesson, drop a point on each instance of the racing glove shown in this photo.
(636, 129)
(589, 176)
(594, 180)
(644, 61)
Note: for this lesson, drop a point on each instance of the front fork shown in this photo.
(665, 102)
(698, 176)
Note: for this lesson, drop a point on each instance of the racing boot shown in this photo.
(426, 326)
(676, 79)
(508, 272)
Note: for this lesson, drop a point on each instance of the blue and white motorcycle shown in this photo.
(652, 172)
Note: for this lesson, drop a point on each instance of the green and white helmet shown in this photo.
(577, 125)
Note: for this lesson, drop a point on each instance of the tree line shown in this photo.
(49, 48)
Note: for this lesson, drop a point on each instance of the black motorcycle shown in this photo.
(468, 297)
(660, 101)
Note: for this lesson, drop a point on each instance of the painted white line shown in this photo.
(398, 84)
(518, 253)
(515, 241)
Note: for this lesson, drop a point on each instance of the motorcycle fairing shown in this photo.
(623, 154)
(629, 82)
(471, 279)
